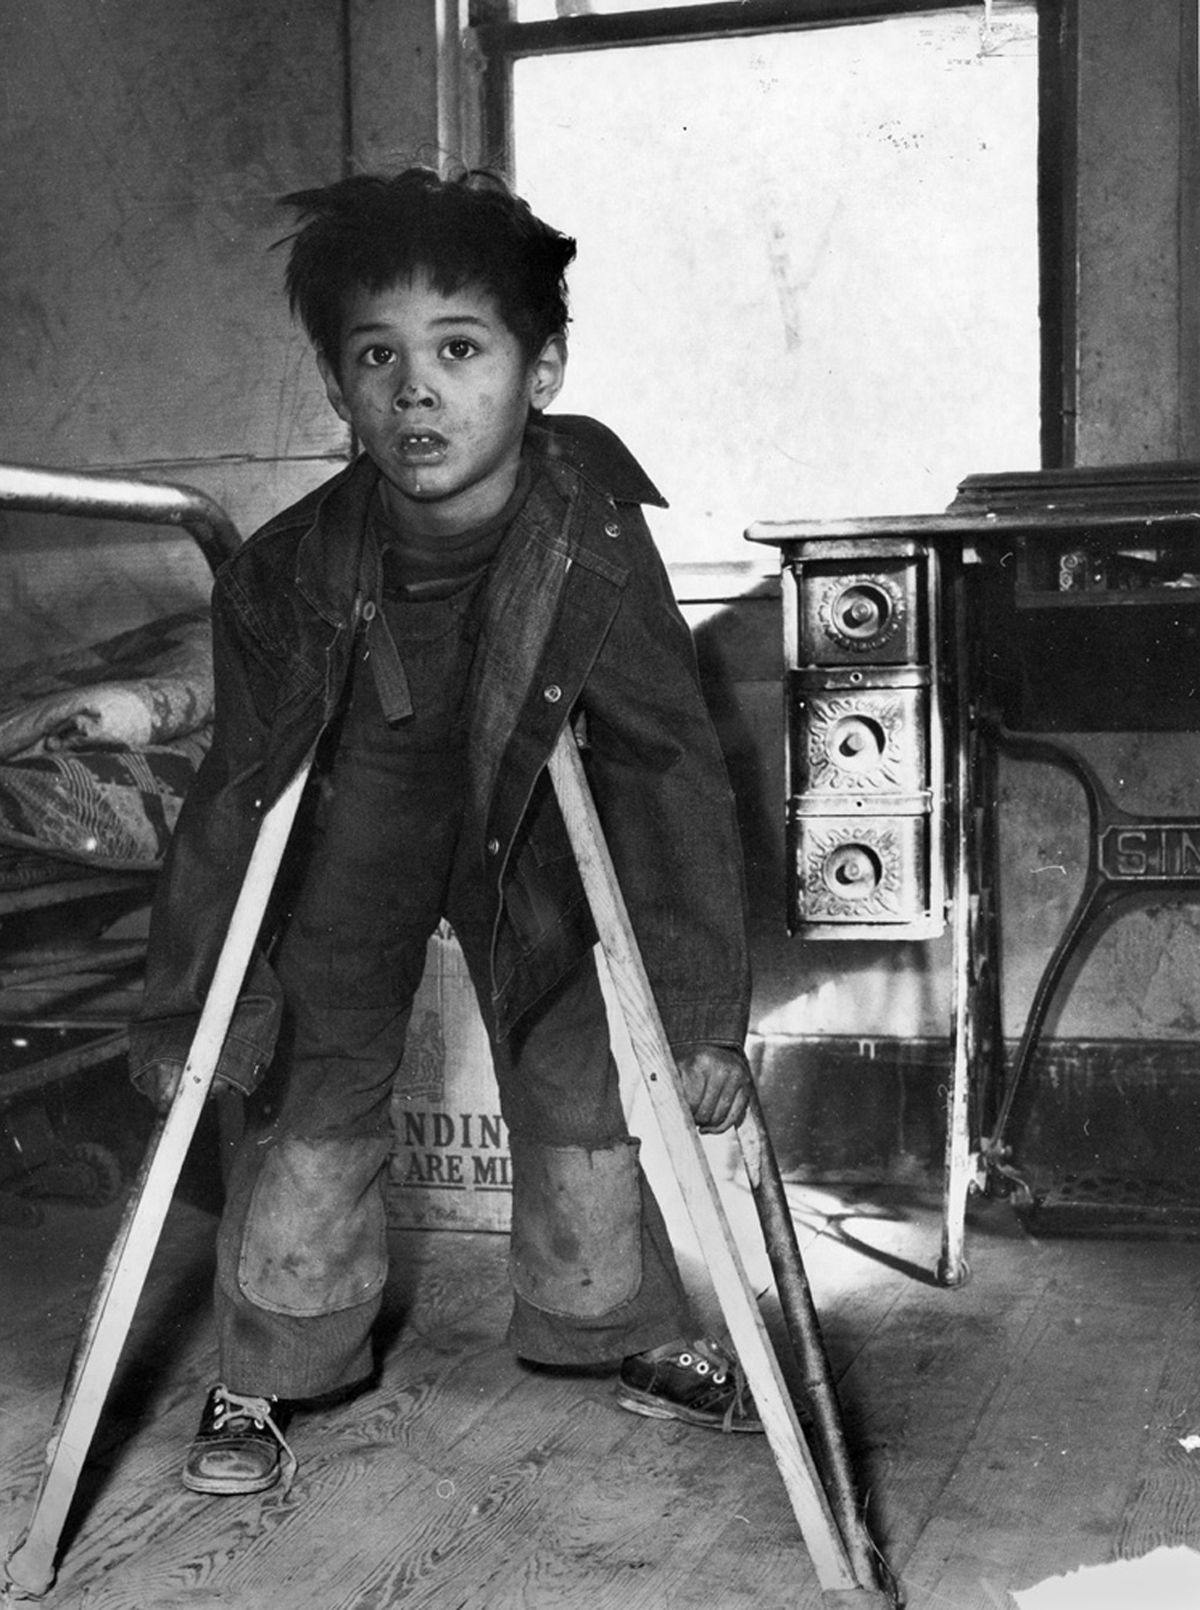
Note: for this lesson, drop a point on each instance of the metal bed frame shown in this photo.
(81, 987)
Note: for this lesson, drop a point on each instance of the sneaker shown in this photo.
(240, 1446)
(695, 1381)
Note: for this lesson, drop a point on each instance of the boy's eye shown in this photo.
(459, 347)
(376, 357)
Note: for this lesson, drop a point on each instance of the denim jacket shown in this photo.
(579, 624)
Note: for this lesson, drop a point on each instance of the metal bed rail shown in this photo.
(78, 991)
(105, 496)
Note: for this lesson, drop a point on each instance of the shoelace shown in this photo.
(710, 1353)
(235, 1406)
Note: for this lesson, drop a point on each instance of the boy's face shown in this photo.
(438, 391)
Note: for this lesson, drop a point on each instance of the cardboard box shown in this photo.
(450, 1168)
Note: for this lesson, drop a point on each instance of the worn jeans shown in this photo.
(302, 1250)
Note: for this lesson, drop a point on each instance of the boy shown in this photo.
(431, 619)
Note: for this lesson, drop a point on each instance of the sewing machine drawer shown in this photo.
(859, 742)
(856, 876)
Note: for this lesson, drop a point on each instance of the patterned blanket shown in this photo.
(98, 746)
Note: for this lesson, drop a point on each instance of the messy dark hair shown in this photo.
(370, 232)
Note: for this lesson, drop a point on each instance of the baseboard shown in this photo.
(861, 1110)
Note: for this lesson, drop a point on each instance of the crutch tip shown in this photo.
(21, 1583)
(952, 1271)
(859, 1599)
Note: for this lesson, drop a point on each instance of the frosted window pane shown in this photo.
(1004, 13)
(807, 276)
(552, 10)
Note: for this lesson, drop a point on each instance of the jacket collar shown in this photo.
(595, 453)
(328, 527)
(332, 519)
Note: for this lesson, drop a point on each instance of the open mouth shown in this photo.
(421, 447)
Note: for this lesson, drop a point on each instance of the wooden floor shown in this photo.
(1012, 1430)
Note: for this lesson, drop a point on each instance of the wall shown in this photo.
(144, 149)
(1135, 385)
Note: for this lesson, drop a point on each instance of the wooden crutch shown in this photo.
(845, 1564)
(31, 1565)
(804, 1332)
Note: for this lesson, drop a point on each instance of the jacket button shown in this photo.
(552, 694)
(369, 611)
(612, 529)
(493, 846)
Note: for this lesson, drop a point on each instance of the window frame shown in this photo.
(496, 41)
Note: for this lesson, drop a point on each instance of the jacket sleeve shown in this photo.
(204, 868)
(666, 805)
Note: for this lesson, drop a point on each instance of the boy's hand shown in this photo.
(716, 1081)
(160, 1082)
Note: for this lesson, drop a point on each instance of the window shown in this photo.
(548, 10)
(808, 259)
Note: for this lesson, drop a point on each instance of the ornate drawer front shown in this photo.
(859, 743)
(861, 873)
(862, 613)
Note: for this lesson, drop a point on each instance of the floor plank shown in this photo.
(1016, 1428)
(1163, 1508)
